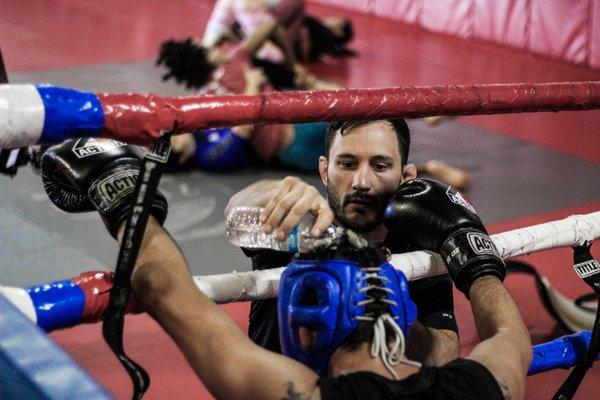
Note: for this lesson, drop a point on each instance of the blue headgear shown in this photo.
(339, 289)
(219, 149)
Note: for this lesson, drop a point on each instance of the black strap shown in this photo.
(588, 269)
(114, 318)
(12, 159)
(514, 266)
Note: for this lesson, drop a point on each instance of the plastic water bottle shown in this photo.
(243, 228)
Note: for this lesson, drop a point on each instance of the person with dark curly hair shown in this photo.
(226, 69)
(218, 69)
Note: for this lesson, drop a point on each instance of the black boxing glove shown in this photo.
(96, 174)
(436, 217)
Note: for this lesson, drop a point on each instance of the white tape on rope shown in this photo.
(573, 230)
(21, 300)
(21, 116)
(240, 286)
(264, 284)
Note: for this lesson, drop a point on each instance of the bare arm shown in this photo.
(223, 357)
(259, 36)
(505, 349)
(432, 347)
(285, 202)
(217, 24)
(281, 39)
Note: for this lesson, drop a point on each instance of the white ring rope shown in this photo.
(264, 284)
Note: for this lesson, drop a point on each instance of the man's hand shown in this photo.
(292, 199)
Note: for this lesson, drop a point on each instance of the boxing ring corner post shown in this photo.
(34, 367)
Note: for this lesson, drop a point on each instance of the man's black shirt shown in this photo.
(460, 379)
(433, 297)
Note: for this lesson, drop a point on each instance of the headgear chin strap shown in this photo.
(328, 297)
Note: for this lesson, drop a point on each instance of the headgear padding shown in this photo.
(329, 298)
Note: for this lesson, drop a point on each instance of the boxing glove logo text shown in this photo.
(457, 198)
(89, 147)
(110, 188)
(587, 268)
(481, 243)
(160, 151)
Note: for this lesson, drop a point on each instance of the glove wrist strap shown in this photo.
(465, 247)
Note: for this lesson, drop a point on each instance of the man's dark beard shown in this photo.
(378, 203)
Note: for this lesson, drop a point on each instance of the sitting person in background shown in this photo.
(292, 145)
(226, 149)
(241, 18)
(220, 69)
(310, 37)
(296, 146)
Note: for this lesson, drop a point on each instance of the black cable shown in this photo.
(114, 318)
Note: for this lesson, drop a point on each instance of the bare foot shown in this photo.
(446, 173)
(435, 120)
(184, 145)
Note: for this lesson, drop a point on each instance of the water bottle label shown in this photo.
(293, 240)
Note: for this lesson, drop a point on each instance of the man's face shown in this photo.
(361, 173)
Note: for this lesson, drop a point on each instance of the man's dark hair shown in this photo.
(367, 257)
(398, 124)
(186, 61)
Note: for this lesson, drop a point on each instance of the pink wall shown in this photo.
(563, 29)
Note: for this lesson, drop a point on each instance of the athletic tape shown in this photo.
(21, 115)
(69, 114)
(57, 304)
(21, 299)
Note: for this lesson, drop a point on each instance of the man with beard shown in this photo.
(365, 163)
